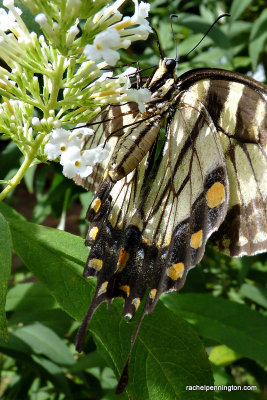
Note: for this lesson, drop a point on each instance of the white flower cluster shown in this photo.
(73, 87)
(120, 34)
(73, 160)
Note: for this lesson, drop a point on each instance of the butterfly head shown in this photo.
(164, 72)
(169, 64)
(167, 67)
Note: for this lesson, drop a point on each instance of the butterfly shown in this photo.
(160, 197)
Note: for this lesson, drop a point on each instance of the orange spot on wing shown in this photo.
(126, 289)
(123, 258)
(215, 195)
(96, 204)
(103, 288)
(96, 263)
(93, 232)
(196, 239)
(152, 293)
(176, 271)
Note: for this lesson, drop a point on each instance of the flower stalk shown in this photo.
(28, 160)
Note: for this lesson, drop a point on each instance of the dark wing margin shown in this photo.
(238, 107)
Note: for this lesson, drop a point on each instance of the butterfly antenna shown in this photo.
(173, 35)
(158, 43)
(124, 378)
(215, 22)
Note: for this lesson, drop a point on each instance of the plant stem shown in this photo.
(31, 154)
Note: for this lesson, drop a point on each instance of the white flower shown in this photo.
(111, 11)
(71, 34)
(96, 155)
(8, 3)
(73, 159)
(140, 13)
(140, 96)
(59, 143)
(103, 47)
(80, 129)
(126, 75)
(105, 75)
(129, 71)
(35, 122)
(102, 152)
(76, 163)
(41, 19)
(140, 32)
(8, 20)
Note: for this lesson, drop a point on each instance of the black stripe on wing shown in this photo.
(238, 107)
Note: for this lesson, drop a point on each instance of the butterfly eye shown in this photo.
(170, 64)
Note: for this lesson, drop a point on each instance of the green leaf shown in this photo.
(57, 259)
(9, 160)
(42, 340)
(167, 357)
(229, 323)
(21, 351)
(57, 319)
(197, 24)
(258, 38)
(258, 294)
(238, 7)
(5, 270)
(10, 214)
(88, 361)
(15, 346)
(239, 27)
(29, 296)
(222, 355)
(56, 372)
(166, 344)
(241, 62)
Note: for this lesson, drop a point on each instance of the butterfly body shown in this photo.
(159, 201)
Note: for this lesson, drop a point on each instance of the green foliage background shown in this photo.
(221, 311)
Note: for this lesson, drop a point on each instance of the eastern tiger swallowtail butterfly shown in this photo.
(158, 202)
